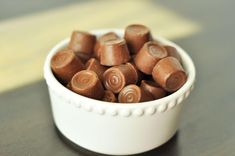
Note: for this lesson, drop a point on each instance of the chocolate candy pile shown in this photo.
(132, 69)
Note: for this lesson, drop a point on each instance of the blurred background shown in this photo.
(29, 29)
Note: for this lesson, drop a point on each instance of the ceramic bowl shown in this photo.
(113, 128)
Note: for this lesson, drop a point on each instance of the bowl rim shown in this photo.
(55, 85)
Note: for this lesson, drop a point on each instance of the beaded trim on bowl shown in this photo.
(126, 112)
(145, 110)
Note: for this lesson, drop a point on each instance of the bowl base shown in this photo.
(169, 147)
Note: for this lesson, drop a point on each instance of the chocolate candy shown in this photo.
(83, 57)
(114, 52)
(136, 66)
(140, 74)
(87, 83)
(101, 40)
(82, 42)
(109, 96)
(136, 35)
(69, 86)
(133, 94)
(172, 51)
(153, 88)
(148, 56)
(115, 78)
(169, 74)
(94, 65)
(65, 64)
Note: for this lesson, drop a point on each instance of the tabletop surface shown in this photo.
(205, 29)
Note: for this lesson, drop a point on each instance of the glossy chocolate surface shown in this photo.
(172, 51)
(82, 42)
(133, 94)
(114, 52)
(65, 64)
(153, 88)
(94, 65)
(169, 74)
(136, 35)
(148, 56)
(101, 40)
(87, 83)
(109, 96)
(115, 78)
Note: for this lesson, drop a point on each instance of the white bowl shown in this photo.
(113, 128)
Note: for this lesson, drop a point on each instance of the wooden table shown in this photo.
(204, 28)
